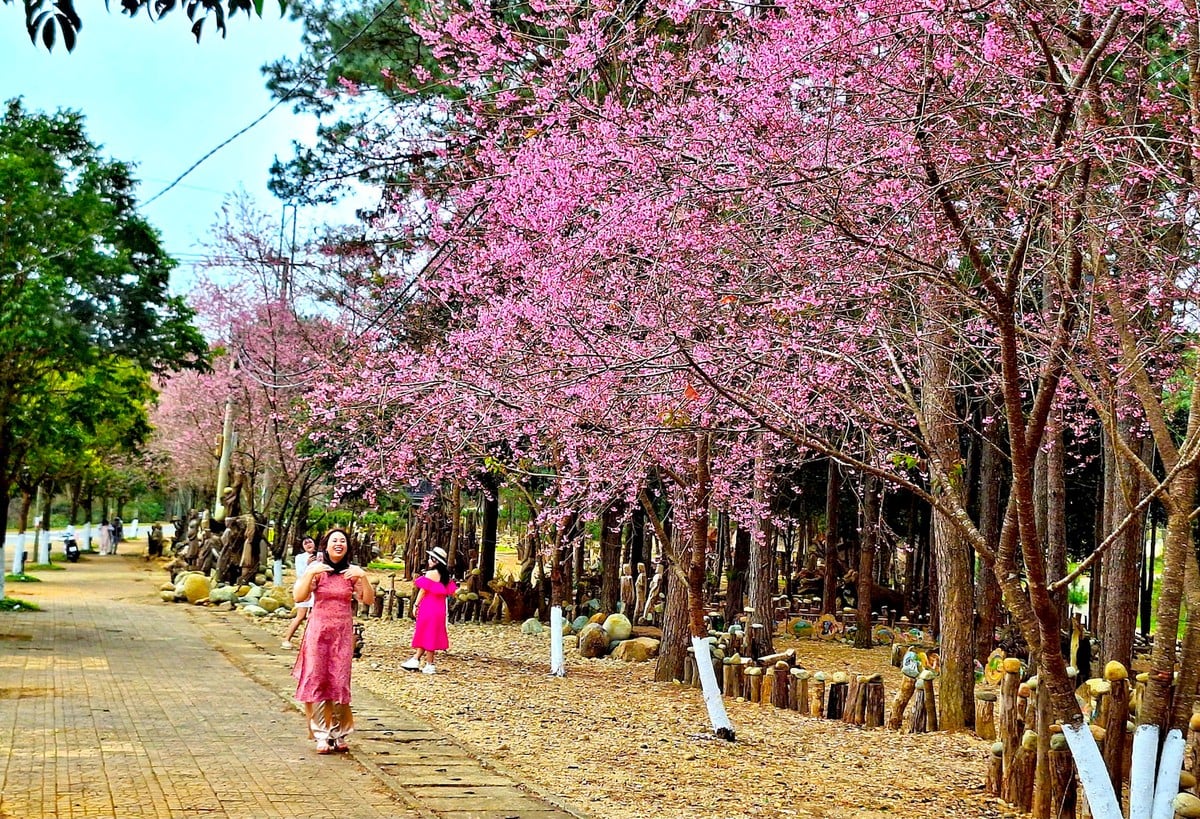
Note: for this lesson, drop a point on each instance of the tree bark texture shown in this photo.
(762, 576)
(833, 491)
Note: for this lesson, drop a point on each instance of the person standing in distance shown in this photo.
(430, 637)
(309, 548)
(322, 668)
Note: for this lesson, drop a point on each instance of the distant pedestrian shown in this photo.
(105, 538)
(429, 606)
(309, 549)
(322, 668)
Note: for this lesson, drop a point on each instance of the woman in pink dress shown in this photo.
(430, 635)
(322, 668)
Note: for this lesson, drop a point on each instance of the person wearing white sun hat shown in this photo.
(430, 636)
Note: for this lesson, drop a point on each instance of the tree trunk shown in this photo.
(1118, 617)
(735, 592)
(833, 491)
(676, 636)
(762, 550)
(951, 550)
(1177, 551)
(866, 559)
(610, 559)
(490, 525)
(987, 590)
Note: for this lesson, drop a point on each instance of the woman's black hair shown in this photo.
(339, 566)
(443, 572)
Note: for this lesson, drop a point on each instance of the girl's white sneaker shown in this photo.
(411, 664)
(429, 669)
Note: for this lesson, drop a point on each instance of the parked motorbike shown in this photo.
(71, 548)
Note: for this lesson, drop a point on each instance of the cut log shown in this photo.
(1018, 782)
(903, 695)
(1010, 716)
(850, 711)
(754, 678)
(995, 774)
(919, 718)
(767, 694)
(1062, 784)
(985, 715)
(780, 694)
(817, 704)
(836, 705)
(731, 679)
(788, 657)
(1115, 742)
(874, 702)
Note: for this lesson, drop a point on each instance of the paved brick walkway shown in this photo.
(113, 704)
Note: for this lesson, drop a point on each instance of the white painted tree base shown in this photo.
(722, 727)
(557, 666)
(1150, 795)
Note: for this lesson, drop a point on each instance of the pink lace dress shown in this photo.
(430, 633)
(322, 668)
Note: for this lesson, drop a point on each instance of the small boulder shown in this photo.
(598, 618)
(637, 650)
(254, 611)
(532, 626)
(593, 641)
(618, 627)
(579, 622)
(222, 594)
(268, 603)
(1187, 805)
(195, 588)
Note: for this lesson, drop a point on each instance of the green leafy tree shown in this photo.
(83, 292)
(55, 21)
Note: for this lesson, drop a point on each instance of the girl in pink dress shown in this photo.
(322, 668)
(430, 635)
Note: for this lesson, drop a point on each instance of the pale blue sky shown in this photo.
(153, 96)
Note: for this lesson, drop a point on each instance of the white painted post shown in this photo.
(712, 693)
(133, 529)
(1141, 771)
(1092, 773)
(43, 547)
(3, 541)
(277, 573)
(557, 666)
(19, 555)
(1169, 766)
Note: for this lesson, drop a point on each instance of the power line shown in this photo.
(290, 93)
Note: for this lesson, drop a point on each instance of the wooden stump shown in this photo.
(798, 690)
(1116, 716)
(850, 711)
(995, 774)
(836, 705)
(1011, 718)
(767, 695)
(1018, 780)
(377, 606)
(754, 678)
(689, 666)
(985, 714)
(1062, 784)
(919, 720)
(816, 706)
(731, 679)
(874, 702)
(903, 695)
(780, 694)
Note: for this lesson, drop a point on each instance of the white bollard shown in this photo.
(43, 547)
(717, 715)
(278, 573)
(19, 555)
(133, 529)
(557, 666)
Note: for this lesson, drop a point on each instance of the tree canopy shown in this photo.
(83, 288)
